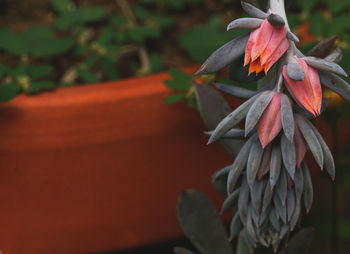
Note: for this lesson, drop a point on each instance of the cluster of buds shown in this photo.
(269, 179)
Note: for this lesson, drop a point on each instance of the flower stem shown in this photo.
(278, 7)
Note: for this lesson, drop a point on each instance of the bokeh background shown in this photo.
(50, 44)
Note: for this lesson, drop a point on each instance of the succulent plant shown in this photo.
(269, 179)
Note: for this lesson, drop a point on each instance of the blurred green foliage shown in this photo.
(84, 44)
(323, 18)
(93, 43)
(182, 83)
(311, 20)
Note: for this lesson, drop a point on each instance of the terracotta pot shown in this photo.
(99, 168)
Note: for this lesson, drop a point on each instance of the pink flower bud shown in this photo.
(265, 46)
(270, 123)
(307, 93)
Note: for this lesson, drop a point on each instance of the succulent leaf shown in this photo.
(311, 139)
(230, 202)
(322, 49)
(287, 117)
(336, 56)
(257, 109)
(239, 164)
(235, 91)
(243, 201)
(201, 223)
(254, 159)
(224, 55)
(335, 83)
(245, 23)
(275, 165)
(288, 155)
(231, 120)
(308, 189)
(253, 11)
(299, 183)
(325, 65)
(282, 187)
(236, 226)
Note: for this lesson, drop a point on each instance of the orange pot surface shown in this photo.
(99, 168)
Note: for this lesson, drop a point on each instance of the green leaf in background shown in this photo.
(52, 47)
(338, 5)
(39, 71)
(317, 23)
(37, 87)
(8, 91)
(91, 60)
(155, 62)
(66, 20)
(306, 5)
(34, 34)
(4, 69)
(82, 15)
(109, 68)
(180, 81)
(118, 20)
(19, 70)
(192, 101)
(164, 21)
(141, 33)
(174, 98)
(12, 42)
(61, 5)
(201, 223)
(106, 35)
(215, 36)
(141, 13)
(86, 75)
(341, 24)
(87, 14)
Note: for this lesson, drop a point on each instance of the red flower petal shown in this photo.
(307, 93)
(316, 88)
(262, 40)
(270, 123)
(250, 44)
(279, 34)
(283, 47)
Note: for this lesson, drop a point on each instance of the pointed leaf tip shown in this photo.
(325, 65)
(253, 11)
(225, 55)
(245, 23)
(291, 36)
